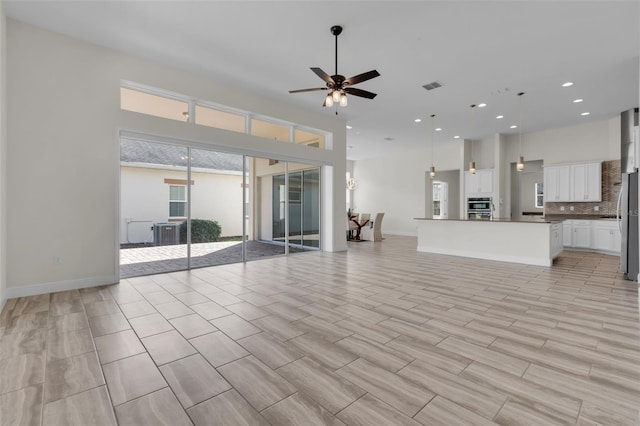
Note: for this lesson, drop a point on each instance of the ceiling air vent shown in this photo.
(434, 85)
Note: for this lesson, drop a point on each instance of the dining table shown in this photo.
(359, 224)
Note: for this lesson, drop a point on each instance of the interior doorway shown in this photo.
(442, 195)
(440, 200)
(527, 190)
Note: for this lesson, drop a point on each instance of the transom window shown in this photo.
(161, 103)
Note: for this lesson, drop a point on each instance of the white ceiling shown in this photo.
(481, 51)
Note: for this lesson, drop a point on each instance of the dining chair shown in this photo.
(377, 227)
(373, 231)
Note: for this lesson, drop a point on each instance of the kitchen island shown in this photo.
(529, 241)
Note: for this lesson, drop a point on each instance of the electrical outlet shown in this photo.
(596, 208)
(571, 208)
(561, 208)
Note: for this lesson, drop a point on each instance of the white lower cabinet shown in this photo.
(599, 235)
(582, 233)
(567, 233)
(606, 236)
(556, 240)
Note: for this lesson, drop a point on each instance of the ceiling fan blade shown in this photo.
(323, 75)
(307, 90)
(361, 77)
(359, 92)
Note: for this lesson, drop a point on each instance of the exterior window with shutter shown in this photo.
(177, 201)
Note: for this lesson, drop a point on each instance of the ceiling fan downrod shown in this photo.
(336, 30)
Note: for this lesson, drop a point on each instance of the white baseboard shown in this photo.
(489, 256)
(401, 233)
(52, 287)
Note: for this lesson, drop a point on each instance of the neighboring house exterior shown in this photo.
(153, 188)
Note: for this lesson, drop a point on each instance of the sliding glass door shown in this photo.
(303, 212)
(154, 206)
(216, 208)
(265, 215)
(185, 207)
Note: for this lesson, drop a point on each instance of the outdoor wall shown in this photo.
(3, 156)
(63, 150)
(144, 200)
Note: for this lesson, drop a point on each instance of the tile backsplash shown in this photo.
(611, 175)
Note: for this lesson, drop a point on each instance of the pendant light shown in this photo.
(520, 164)
(472, 164)
(432, 171)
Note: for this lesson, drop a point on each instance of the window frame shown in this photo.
(184, 201)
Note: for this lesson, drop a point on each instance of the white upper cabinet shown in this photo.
(587, 180)
(575, 182)
(557, 183)
(479, 184)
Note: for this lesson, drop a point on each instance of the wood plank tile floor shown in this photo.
(378, 335)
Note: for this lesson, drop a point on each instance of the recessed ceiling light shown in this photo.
(456, 137)
(482, 105)
(577, 101)
(567, 84)
(513, 127)
(499, 116)
(349, 127)
(417, 120)
(585, 113)
(438, 129)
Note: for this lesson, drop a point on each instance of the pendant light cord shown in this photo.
(473, 120)
(520, 124)
(433, 116)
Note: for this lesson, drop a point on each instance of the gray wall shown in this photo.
(452, 177)
(522, 187)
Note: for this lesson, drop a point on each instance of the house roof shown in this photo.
(136, 151)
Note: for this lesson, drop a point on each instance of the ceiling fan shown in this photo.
(338, 84)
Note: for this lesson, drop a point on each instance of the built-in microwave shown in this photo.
(479, 204)
(479, 208)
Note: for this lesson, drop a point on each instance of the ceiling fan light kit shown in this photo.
(338, 85)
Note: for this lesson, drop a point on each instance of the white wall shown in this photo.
(63, 145)
(598, 140)
(483, 153)
(395, 185)
(3, 156)
(144, 196)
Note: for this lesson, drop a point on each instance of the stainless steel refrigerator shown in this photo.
(628, 199)
(628, 214)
